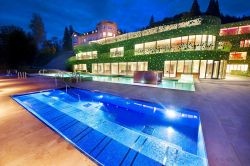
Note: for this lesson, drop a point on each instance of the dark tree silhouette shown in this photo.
(195, 9)
(213, 8)
(67, 42)
(37, 28)
(18, 48)
(151, 21)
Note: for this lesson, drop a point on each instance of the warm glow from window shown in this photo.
(238, 56)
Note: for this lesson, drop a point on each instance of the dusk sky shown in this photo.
(83, 15)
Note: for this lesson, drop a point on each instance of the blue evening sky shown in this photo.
(85, 14)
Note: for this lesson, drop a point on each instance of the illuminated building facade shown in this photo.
(201, 46)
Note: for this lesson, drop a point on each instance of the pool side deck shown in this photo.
(223, 105)
(24, 140)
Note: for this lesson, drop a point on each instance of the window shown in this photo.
(176, 44)
(191, 43)
(237, 67)
(86, 55)
(196, 65)
(198, 42)
(82, 67)
(172, 69)
(244, 29)
(188, 66)
(100, 68)
(203, 66)
(131, 68)
(229, 31)
(180, 66)
(166, 68)
(110, 34)
(210, 43)
(122, 68)
(245, 43)
(142, 66)
(117, 52)
(139, 49)
(204, 42)
(114, 68)
(94, 68)
(209, 69)
(150, 47)
(184, 43)
(238, 56)
(104, 34)
(107, 68)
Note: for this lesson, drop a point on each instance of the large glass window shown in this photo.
(188, 66)
(180, 67)
(238, 56)
(176, 44)
(184, 43)
(196, 66)
(216, 69)
(100, 68)
(139, 49)
(150, 47)
(162, 46)
(244, 29)
(82, 67)
(142, 66)
(117, 52)
(237, 67)
(209, 69)
(122, 68)
(204, 42)
(203, 66)
(210, 43)
(107, 68)
(114, 68)
(191, 42)
(172, 69)
(166, 68)
(198, 42)
(132, 67)
(94, 68)
(245, 43)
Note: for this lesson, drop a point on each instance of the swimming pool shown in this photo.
(117, 131)
(168, 84)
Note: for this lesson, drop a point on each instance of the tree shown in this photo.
(152, 21)
(19, 48)
(195, 10)
(213, 8)
(67, 43)
(71, 30)
(37, 28)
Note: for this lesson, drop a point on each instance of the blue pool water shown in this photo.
(117, 131)
(169, 84)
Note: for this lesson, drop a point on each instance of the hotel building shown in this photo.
(201, 46)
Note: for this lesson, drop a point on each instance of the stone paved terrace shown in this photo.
(223, 105)
(24, 140)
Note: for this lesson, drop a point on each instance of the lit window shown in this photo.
(238, 56)
(244, 29)
(237, 67)
(110, 34)
(104, 34)
(245, 43)
(117, 52)
(139, 49)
